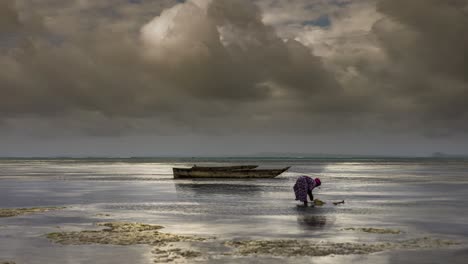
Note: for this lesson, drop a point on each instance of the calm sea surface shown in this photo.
(420, 197)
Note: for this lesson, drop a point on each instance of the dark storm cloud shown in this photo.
(9, 20)
(193, 62)
(404, 63)
(222, 66)
(73, 64)
(426, 42)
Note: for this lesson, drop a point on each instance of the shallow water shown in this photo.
(417, 196)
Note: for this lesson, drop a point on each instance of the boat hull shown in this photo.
(180, 173)
(224, 168)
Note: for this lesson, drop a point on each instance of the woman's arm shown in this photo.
(310, 195)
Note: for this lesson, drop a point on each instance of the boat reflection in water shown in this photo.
(209, 188)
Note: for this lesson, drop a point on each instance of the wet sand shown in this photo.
(119, 233)
(166, 246)
(118, 212)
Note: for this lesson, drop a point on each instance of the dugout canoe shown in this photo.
(180, 173)
(224, 168)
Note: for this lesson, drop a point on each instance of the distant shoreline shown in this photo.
(239, 158)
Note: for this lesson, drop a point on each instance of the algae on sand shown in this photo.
(121, 233)
(291, 248)
(170, 255)
(10, 212)
(375, 230)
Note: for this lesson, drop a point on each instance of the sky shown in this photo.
(233, 77)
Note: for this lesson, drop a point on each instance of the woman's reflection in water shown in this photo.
(311, 221)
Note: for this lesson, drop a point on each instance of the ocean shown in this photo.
(419, 197)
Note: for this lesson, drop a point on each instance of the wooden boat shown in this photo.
(227, 173)
(224, 168)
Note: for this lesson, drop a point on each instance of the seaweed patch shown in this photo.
(10, 212)
(103, 215)
(120, 233)
(375, 230)
(123, 233)
(170, 255)
(291, 248)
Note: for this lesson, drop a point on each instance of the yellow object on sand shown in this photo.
(318, 202)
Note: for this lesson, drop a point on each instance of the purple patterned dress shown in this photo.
(302, 186)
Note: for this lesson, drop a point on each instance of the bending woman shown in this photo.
(304, 186)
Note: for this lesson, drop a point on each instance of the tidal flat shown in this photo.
(166, 250)
(116, 211)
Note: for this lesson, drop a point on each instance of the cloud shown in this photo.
(406, 61)
(193, 61)
(220, 66)
(425, 42)
(9, 20)
(225, 51)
